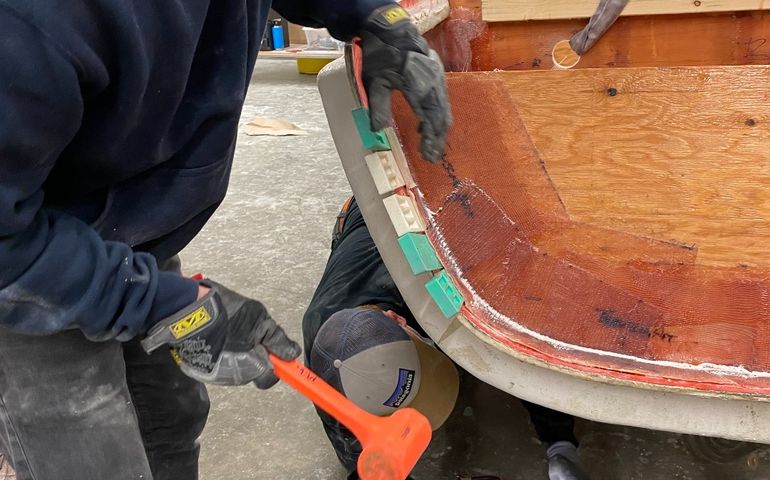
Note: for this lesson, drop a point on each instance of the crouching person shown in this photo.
(361, 338)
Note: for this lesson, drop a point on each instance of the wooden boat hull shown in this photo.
(606, 227)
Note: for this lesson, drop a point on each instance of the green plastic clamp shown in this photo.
(375, 141)
(419, 253)
(445, 294)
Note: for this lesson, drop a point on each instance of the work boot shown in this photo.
(564, 462)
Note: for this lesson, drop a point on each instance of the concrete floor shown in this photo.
(270, 239)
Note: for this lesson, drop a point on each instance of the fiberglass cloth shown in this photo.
(579, 296)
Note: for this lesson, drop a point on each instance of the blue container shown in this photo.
(277, 36)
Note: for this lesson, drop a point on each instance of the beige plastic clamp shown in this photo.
(403, 213)
(385, 172)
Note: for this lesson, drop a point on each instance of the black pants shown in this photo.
(551, 426)
(73, 409)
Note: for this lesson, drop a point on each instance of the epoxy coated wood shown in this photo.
(674, 154)
(465, 42)
(518, 10)
(594, 291)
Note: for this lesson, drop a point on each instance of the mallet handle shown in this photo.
(323, 395)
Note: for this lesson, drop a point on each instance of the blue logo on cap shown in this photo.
(403, 387)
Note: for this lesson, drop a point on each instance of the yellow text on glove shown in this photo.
(190, 323)
(395, 14)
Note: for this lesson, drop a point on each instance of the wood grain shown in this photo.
(673, 154)
(521, 10)
(467, 43)
(521, 257)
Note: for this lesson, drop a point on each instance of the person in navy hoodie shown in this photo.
(118, 121)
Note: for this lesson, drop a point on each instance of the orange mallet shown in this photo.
(391, 445)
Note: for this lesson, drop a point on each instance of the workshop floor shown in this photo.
(270, 239)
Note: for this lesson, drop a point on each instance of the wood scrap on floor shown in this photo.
(275, 127)
(6, 472)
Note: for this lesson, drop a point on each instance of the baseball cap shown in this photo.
(382, 366)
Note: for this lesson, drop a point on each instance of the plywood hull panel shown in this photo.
(467, 43)
(610, 222)
(517, 10)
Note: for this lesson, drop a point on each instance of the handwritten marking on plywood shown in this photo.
(518, 10)
(674, 154)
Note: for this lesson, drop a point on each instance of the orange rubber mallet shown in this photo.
(391, 445)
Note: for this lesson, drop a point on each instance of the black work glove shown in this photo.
(395, 56)
(224, 339)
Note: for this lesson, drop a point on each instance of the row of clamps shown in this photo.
(405, 216)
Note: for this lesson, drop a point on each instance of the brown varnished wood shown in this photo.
(616, 215)
(612, 297)
(467, 43)
(519, 10)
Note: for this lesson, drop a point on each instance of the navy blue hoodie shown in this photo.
(118, 121)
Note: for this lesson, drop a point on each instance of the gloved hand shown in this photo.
(564, 462)
(223, 338)
(395, 56)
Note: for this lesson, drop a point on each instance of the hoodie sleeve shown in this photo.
(56, 272)
(344, 19)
